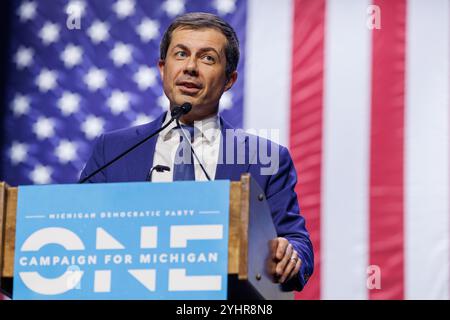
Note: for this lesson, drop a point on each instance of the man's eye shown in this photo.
(180, 54)
(209, 59)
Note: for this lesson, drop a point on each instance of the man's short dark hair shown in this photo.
(201, 20)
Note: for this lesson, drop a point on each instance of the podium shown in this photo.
(250, 229)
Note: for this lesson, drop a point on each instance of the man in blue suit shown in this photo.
(199, 54)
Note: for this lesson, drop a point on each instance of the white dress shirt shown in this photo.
(206, 145)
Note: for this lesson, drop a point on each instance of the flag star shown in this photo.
(173, 7)
(71, 56)
(121, 54)
(145, 77)
(46, 80)
(163, 102)
(41, 174)
(18, 152)
(98, 31)
(27, 10)
(49, 33)
(66, 151)
(76, 8)
(44, 128)
(141, 119)
(226, 101)
(24, 57)
(118, 102)
(224, 7)
(95, 79)
(69, 103)
(20, 105)
(124, 8)
(92, 127)
(148, 29)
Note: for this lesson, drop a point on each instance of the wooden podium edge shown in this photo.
(2, 223)
(238, 222)
(243, 225)
(8, 226)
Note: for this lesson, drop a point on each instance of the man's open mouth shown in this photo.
(189, 87)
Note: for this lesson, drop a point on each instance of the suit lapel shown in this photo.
(231, 171)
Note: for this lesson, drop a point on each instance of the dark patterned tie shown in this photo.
(183, 168)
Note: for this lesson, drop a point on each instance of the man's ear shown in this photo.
(161, 65)
(231, 81)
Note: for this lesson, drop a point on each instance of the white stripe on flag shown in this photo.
(346, 150)
(427, 150)
(268, 66)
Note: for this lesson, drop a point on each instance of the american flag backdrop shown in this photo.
(67, 84)
(364, 111)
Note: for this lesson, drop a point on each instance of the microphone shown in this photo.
(158, 168)
(192, 150)
(176, 113)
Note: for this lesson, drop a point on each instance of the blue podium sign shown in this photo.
(122, 241)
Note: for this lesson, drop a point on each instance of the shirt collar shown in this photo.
(209, 128)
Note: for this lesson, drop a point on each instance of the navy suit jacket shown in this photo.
(278, 186)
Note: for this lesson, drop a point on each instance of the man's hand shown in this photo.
(284, 262)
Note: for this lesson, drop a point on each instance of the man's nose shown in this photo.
(191, 67)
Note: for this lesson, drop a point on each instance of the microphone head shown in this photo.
(186, 107)
(177, 112)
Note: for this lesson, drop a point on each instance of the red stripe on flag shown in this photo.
(387, 151)
(306, 121)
